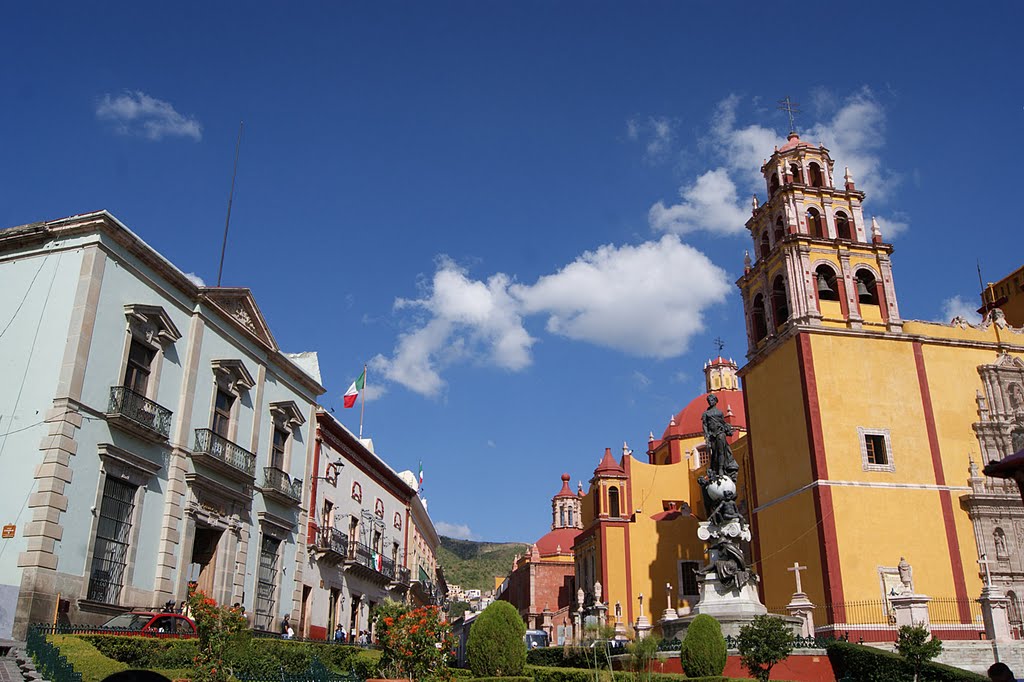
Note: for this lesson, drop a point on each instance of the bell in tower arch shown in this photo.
(862, 292)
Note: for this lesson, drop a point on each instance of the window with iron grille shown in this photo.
(688, 578)
(266, 583)
(110, 549)
(136, 375)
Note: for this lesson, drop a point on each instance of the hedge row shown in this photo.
(247, 656)
(569, 656)
(94, 666)
(868, 664)
(548, 674)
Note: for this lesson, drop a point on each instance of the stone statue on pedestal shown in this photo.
(906, 576)
(716, 435)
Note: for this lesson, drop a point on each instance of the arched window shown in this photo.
(815, 225)
(765, 247)
(758, 319)
(817, 178)
(613, 502)
(561, 518)
(774, 184)
(794, 170)
(828, 288)
(570, 518)
(780, 230)
(867, 287)
(780, 310)
(844, 228)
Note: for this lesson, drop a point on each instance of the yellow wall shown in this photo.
(868, 381)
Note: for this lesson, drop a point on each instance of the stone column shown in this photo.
(911, 609)
(995, 612)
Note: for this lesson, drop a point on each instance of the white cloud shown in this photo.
(741, 149)
(468, 319)
(459, 531)
(374, 391)
(646, 300)
(136, 113)
(893, 228)
(195, 279)
(657, 134)
(958, 307)
(710, 204)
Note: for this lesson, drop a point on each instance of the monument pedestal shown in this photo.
(642, 627)
(994, 612)
(732, 608)
(801, 607)
(910, 609)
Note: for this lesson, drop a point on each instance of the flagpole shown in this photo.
(362, 404)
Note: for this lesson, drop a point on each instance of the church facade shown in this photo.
(867, 430)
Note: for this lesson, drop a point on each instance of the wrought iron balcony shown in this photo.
(404, 575)
(387, 567)
(219, 449)
(280, 485)
(333, 543)
(138, 414)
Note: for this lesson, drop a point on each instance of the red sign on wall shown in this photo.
(9, 531)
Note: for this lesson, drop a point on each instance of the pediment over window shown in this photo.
(287, 414)
(238, 305)
(233, 375)
(1006, 360)
(151, 323)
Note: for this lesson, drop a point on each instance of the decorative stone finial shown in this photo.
(672, 421)
(746, 262)
(753, 203)
(650, 437)
(625, 450)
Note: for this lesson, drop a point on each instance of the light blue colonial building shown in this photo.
(152, 433)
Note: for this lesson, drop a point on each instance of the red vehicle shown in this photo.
(151, 624)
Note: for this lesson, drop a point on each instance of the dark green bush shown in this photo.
(503, 679)
(146, 652)
(496, 647)
(562, 657)
(703, 651)
(552, 674)
(868, 664)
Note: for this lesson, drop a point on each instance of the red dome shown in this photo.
(688, 420)
(560, 537)
(794, 141)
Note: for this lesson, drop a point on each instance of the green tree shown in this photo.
(215, 626)
(703, 651)
(496, 647)
(414, 643)
(763, 643)
(916, 645)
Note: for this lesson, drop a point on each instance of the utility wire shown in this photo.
(25, 297)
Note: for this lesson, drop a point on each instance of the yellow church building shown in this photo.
(859, 435)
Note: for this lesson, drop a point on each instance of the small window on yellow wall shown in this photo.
(876, 449)
(613, 502)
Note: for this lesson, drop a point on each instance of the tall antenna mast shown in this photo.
(231, 197)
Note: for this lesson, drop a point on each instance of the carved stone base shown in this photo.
(732, 608)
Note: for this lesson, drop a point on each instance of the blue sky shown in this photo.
(527, 217)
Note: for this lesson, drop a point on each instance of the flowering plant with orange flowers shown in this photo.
(414, 643)
(215, 626)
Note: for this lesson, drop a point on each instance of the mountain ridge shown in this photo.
(473, 564)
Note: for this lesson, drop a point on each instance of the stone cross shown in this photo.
(668, 589)
(641, 604)
(796, 568)
(985, 561)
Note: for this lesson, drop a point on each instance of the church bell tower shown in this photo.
(816, 262)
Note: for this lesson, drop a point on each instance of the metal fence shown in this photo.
(317, 672)
(48, 659)
(59, 629)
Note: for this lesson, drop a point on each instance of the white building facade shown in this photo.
(152, 433)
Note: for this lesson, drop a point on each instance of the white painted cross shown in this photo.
(985, 561)
(668, 588)
(796, 568)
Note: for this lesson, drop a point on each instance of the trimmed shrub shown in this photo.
(763, 643)
(868, 664)
(86, 658)
(703, 651)
(568, 656)
(552, 674)
(496, 647)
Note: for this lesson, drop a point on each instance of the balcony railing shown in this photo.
(387, 567)
(334, 541)
(403, 575)
(277, 481)
(220, 448)
(362, 554)
(140, 410)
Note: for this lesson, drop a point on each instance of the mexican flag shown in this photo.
(421, 474)
(353, 391)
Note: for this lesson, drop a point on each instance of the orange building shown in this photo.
(1008, 295)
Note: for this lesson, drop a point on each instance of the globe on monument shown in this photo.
(718, 487)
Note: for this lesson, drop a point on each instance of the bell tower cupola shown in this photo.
(816, 261)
